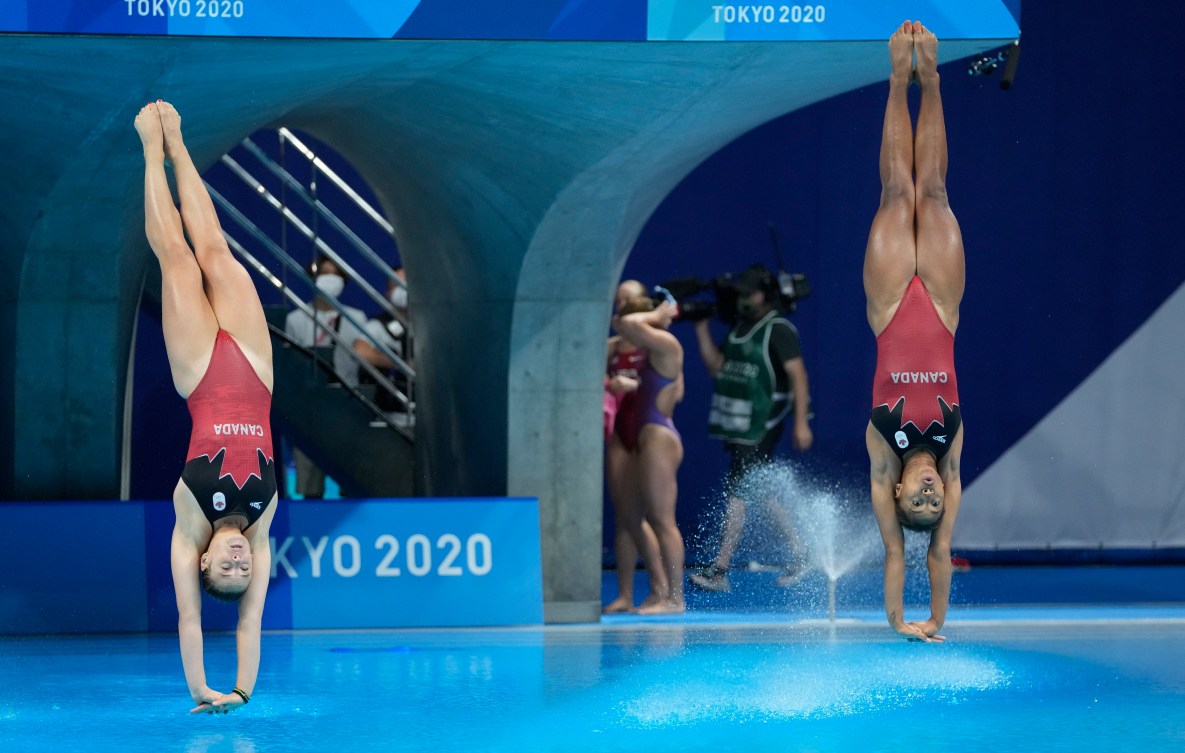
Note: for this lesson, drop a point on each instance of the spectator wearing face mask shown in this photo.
(391, 332)
(318, 332)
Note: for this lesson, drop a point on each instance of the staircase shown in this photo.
(367, 451)
(338, 427)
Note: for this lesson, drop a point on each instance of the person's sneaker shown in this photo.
(792, 575)
(761, 567)
(711, 578)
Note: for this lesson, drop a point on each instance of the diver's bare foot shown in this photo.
(663, 607)
(618, 606)
(170, 121)
(901, 52)
(650, 602)
(926, 46)
(148, 126)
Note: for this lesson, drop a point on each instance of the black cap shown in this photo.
(752, 279)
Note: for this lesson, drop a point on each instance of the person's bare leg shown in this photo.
(730, 534)
(626, 555)
(229, 287)
(647, 543)
(940, 242)
(890, 258)
(796, 565)
(624, 550)
(660, 453)
(186, 315)
(658, 578)
(621, 467)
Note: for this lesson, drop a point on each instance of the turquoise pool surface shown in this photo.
(1025, 678)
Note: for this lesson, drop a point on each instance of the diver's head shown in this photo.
(226, 565)
(920, 493)
(626, 291)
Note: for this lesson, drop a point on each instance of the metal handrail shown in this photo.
(314, 203)
(291, 183)
(308, 195)
(266, 273)
(293, 265)
(345, 188)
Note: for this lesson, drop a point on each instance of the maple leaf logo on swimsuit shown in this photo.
(219, 501)
(904, 412)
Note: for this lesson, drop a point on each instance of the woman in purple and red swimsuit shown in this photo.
(633, 535)
(913, 278)
(648, 431)
(220, 357)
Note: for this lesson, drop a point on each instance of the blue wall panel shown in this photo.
(64, 564)
(345, 564)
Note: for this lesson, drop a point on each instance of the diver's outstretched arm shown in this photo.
(938, 561)
(251, 607)
(884, 472)
(184, 558)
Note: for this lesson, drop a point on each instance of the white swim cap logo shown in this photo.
(219, 501)
(902, 441)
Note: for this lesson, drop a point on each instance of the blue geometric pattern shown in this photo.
(604, 20)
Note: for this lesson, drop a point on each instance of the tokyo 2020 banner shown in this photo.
(557, 20)
(350, 563)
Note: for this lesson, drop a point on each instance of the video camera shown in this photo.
(783, 291)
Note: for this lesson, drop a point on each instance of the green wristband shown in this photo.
(242, 694)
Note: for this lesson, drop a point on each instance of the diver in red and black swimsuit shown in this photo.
(220, 357)
(915, 395)
(230, 470)
(913, 277)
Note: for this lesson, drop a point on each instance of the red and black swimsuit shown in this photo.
(229, 466)
(630, 364)
(915, 396)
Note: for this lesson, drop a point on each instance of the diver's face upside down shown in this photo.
(920, 495)
(227, 563)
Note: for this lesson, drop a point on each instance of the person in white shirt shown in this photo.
(310, 333)
(390, 332)
(319, 332)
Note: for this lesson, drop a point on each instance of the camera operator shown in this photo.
(761, 381)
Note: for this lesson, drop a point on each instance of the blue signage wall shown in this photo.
(76, 567)
(608, 20)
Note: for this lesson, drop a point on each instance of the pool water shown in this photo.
(1041, 682)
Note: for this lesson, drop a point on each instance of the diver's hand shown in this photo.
(666, 313)
(229, 703)
(619, 384)
(930, 627)
(921, 632)
(213, 702)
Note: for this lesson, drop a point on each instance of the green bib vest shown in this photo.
(743, 400)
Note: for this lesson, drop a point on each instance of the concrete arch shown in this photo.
(518, 175)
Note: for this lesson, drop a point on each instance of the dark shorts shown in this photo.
(745, 456)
